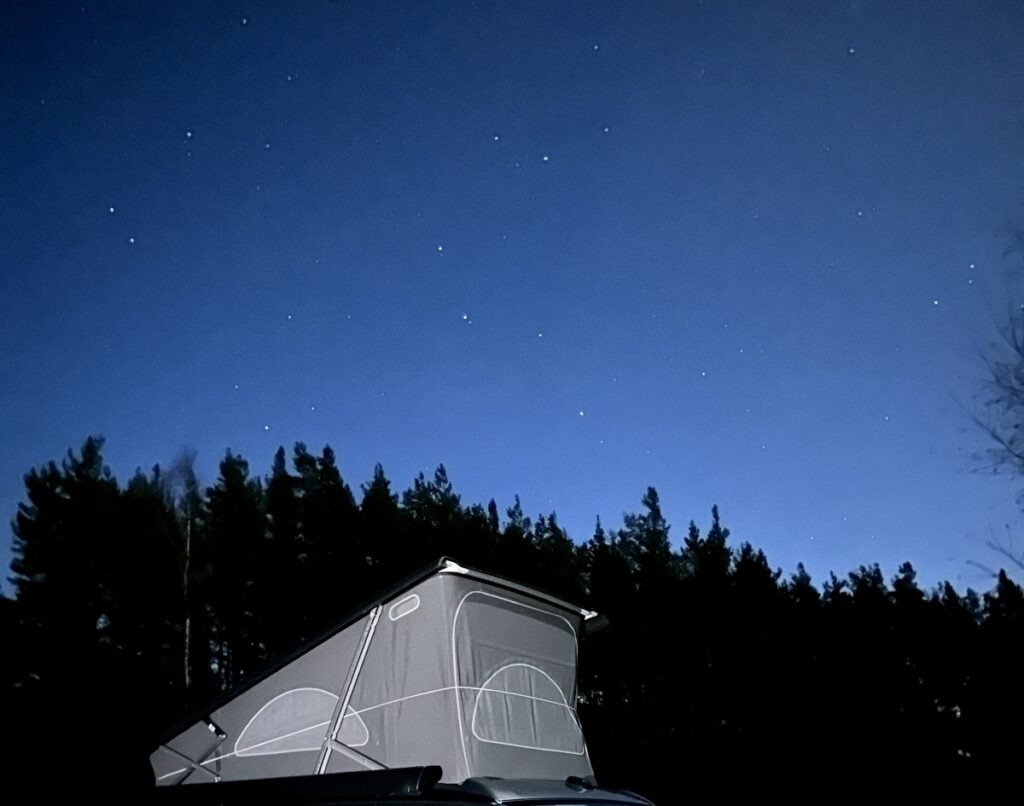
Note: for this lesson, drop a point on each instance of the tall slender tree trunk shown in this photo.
(188, 606)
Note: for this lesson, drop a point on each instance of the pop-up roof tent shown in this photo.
(452, 667)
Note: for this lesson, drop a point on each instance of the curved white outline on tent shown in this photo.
(563, 704)
(254, 750)
(442, 690)
(396, 607)
(455, 660)
(385, 704)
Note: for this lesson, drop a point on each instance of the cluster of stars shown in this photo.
(544, 158)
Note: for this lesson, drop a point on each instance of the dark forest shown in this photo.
(137, 602)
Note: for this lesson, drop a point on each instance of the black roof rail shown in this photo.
(305, 789)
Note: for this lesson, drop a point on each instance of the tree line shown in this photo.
(138, 602)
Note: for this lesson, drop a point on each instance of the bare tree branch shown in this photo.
(1001, 415)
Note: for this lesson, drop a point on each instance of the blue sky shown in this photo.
(747, 253)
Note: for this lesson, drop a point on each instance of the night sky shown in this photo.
(744, 252)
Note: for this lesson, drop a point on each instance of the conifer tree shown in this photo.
(234, 545)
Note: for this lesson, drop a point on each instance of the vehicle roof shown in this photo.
(401, 785)
(513, 790)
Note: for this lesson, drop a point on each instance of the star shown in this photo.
(131, 240)
(188, 134)
(266, 428)
(545, 158)
(110, 209)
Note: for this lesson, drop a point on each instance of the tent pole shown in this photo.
(331, 740)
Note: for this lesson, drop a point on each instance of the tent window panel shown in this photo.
(522, 706)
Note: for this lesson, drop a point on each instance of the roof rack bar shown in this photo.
(308, 789)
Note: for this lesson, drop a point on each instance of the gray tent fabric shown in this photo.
(457, 668)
